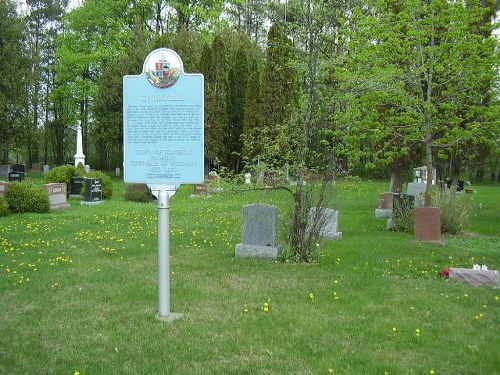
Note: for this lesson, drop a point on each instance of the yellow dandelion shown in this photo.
(394, 329)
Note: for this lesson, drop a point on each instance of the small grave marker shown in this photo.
(259, 232)
(57, 195)
(76, 186)
(329, 223)
(4, 186)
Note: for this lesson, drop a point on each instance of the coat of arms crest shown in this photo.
(162, 73)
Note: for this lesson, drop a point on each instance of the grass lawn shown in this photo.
(78, 293)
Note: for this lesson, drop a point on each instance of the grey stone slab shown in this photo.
(329, 222)
(476, 277)
(417, 190)
(260, 225)
(259, 232)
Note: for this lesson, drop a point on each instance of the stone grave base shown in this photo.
(383, 212)
(476, 277)
(265, 252)
(91, 203)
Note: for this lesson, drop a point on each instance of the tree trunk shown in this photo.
(396, 184)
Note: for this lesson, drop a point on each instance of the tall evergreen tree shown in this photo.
(280, 97)
(14, 61)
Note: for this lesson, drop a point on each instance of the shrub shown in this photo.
(454, 211)
(138, 193)
(63, 174)
(4, 206)
(107, 184)
(403, 214)
(24, 196)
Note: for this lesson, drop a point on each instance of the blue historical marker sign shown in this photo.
(163, 122)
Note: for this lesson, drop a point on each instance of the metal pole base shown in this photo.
(169, 318)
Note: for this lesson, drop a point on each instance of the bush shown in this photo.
(4, 206)
(107, 184)
(403, 214)
(24, 196)
(63, 174)
(454, 211)
(138, 193)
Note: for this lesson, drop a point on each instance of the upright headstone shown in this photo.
(329, 222)
(427, 224)
(4, 186)
(93, 191)
(46, 169)
(385, 200)
(75, 186)
(200, 189)
(248, 178)
(385, 205)
(16, 176)
(259, 232)
(118, 172)
(5, 170)
(35, 167)
(417, 190)
(57, 195)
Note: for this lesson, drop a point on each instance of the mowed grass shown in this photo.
(78, 293)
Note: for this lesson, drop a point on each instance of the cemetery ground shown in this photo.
(78, 292)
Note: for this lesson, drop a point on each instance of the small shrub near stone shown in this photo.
(63, 174)
(403, 215)
(138, 193)
(4, 206)
(24, 196)
(454, 211)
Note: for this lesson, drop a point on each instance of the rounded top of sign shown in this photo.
(163, 67)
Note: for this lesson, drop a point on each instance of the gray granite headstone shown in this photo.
(417, 189)
(476, 277)
(329, 223)
(259, 232)
(5, 169)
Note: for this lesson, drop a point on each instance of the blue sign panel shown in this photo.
(163, 122)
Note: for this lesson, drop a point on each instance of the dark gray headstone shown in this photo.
(93, 191)
(259, 232)
(16, 176)
(76, 186)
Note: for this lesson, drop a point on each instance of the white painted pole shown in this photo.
(163, 255)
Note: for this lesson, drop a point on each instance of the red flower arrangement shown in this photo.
(445, 272)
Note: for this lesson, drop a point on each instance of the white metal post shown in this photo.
(163, 255)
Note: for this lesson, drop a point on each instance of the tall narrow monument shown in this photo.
(79, 156)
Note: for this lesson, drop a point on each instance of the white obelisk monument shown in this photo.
(79, 157)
